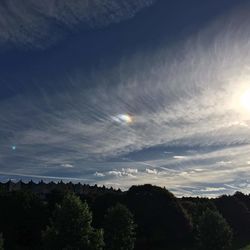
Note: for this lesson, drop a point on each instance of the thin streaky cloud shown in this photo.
(168, 115)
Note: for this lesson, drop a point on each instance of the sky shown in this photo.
(127, 92)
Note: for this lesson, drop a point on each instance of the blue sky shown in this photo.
(126, 92)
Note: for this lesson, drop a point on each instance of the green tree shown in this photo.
(214, 231)
(71, 227)
(1, 242)
(119, 229)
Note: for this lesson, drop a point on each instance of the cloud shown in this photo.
(80, 121)
(124, 172)
(30, 23)
(223, 163)
(115, 173)
(213, 189)
(182, 97)
(130, 170)
(151, 171)
(44, 177)
(179, 157)
(67, 165)
(99, 174)
(200, 175)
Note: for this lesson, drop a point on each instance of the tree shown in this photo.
(22, 218)
(1, 242)
(71, 227)
(162, 221)
(237, 214)
(119, 229)
(214, 231)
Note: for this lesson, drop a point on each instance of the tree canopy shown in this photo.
(71, 227)
(119, 229)
(214, 231)
(62, 214)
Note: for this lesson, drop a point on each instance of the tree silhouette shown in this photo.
(22, 218)
(237, 214)
(71, 227)
(1, 242)
(119, 229)
(214, 231)
(162, 221)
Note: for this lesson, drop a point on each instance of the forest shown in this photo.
(57, 216)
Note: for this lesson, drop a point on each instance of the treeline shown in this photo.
(143, 218)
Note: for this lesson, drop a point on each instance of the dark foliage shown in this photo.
(162, 220)
(213, 231)
(119, 229)
(1, 242)
(71, 227)
(101, 204)
(236, 213)
(22, 218)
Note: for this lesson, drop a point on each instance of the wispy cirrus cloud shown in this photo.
(30, 23)
(184, 121)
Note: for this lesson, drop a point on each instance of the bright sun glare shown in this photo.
(245, 100)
